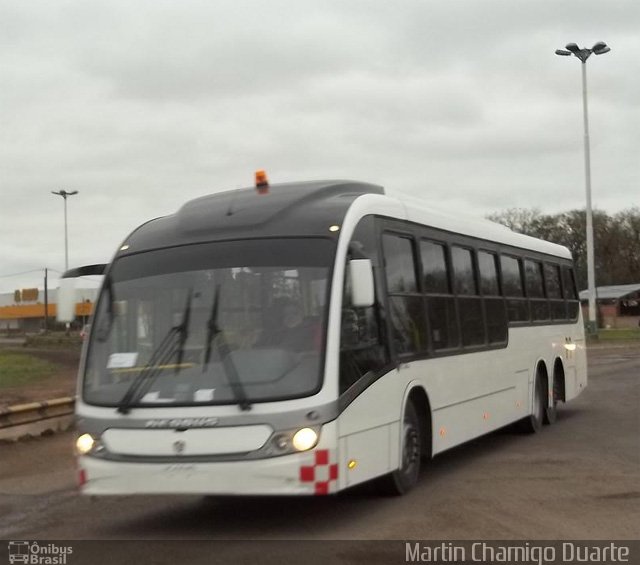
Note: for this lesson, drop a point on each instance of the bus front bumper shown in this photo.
(313, 472)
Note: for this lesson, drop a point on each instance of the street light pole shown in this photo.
(591, 270)
(583, 54)
(64, 195)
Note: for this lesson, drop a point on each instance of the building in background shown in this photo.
(618, 305)
(23, 311)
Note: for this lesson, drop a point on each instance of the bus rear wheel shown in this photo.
(551, 412)
(533, 423)
(551, 409)
(404, 478)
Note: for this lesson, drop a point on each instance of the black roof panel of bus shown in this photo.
(288, 209)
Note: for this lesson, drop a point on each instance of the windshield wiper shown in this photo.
(166, 349)
(214, 333)
(212, 327)
(183, 330)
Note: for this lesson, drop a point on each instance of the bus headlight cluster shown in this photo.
(304, 439)
(86, 444)
(293, 441)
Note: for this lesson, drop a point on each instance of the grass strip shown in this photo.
(624, 334)
(18, 369)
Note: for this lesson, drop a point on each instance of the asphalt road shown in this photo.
(578, 479)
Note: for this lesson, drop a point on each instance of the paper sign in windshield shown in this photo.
(122, 360)
(204, 395)
(155, 397)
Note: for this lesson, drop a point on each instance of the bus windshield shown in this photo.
(229, 322)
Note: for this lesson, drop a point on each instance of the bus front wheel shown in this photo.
(406, 476)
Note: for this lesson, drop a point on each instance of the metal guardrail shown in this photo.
(36, 418)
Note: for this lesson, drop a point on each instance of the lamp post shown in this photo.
(583, 54)
(64, 195)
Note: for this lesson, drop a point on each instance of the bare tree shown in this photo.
(617, 239)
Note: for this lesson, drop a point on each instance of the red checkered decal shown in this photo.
(322, 472)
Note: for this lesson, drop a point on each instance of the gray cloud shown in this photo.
(143, 105)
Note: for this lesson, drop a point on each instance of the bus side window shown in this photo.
(494, 304)
(469, 301)
(406, 309)
(554, 291)
(517, 308)
(362, 348)
(535, 290)
(441, 307)
(570, 293)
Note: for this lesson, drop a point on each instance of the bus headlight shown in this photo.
(293, 441)
(304, 439)
(85, 444)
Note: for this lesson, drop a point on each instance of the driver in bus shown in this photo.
(291, 330)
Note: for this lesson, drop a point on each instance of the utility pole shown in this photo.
(46, 301)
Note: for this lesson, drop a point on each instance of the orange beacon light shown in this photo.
(262, 184)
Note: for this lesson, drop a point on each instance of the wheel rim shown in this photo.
(411, 451)
(556, 392)
(539, 410)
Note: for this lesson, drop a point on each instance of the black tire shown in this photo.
(532, 424)
(403, 479)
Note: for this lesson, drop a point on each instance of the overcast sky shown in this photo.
(141, 106)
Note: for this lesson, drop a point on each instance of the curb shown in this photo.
(36, 418)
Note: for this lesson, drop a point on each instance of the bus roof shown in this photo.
(288, 210)
(481, 228)
(307, 209)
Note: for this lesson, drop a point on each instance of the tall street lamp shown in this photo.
(64, 195)
(583, 54)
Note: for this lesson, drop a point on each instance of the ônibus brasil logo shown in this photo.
(34, 553)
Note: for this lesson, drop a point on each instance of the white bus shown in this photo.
(304, 338)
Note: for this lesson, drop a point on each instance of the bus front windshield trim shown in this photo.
(251, 317)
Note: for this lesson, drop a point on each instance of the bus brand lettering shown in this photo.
(182, 423)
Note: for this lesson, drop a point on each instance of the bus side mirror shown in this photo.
(66, 310)
(362, 287)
